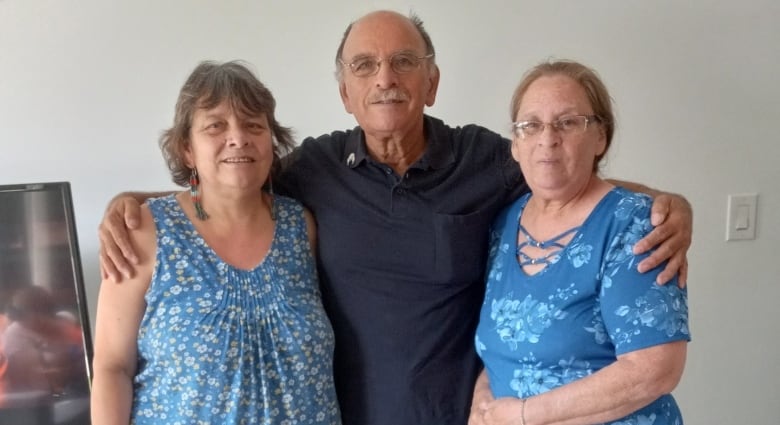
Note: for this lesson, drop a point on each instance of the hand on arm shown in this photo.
(673, 217)
(119, 313)
(117, 255)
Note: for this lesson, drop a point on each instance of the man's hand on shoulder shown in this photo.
(117, 255)
(673, 217)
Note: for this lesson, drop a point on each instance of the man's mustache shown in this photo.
(389, 95)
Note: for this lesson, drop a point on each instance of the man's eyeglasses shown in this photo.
(400, 63)
(565, 126)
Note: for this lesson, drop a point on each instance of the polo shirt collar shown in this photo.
(438, 152)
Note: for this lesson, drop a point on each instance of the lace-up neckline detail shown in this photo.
(553, 246)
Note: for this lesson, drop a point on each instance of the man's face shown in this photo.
(387, 102)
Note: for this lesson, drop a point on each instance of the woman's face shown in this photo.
(553, 161)
(230, 151)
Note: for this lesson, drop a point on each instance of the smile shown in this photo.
(238, 160)
(388, 102)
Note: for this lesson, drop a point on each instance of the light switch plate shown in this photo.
(741, 219)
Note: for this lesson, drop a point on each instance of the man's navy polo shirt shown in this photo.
(401, 266)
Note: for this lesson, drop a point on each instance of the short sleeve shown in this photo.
(637, 312)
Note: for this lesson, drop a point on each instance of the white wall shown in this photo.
(86, 86)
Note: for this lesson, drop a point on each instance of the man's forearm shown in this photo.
(636, 187)
(141, 197)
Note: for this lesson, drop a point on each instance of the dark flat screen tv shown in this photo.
(45, 338)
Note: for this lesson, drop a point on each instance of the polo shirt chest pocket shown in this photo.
(461, 246)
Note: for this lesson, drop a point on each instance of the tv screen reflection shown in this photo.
(44, 337)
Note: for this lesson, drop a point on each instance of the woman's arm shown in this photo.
(480, 400)
(632, 382)
(119, 313)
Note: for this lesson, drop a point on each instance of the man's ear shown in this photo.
(433, 79)
(344, 96)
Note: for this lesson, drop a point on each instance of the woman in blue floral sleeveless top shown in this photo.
(570, 331)
(223, 323)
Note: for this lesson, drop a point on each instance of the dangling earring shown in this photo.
(271, 192)
(194, 182)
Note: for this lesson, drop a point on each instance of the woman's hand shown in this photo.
(503, 411)
(481, 398)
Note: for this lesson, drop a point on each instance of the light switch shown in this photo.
(741, 223)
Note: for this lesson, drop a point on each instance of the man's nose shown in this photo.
(385, 76)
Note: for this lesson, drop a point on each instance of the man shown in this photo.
(403, 205)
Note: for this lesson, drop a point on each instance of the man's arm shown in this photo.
(117, 256)
(672, 217)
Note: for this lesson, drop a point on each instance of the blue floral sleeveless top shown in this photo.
(221, 345)
(539, 332)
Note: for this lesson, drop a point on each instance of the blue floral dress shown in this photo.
(221, 345)
(538, 332)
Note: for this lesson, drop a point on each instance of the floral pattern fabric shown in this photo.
(222, 345)
(538, 332)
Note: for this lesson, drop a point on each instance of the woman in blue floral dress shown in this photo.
(570, 332)
(223, 323)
